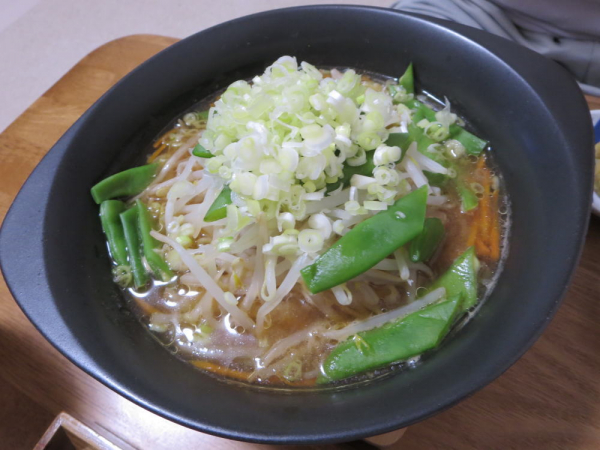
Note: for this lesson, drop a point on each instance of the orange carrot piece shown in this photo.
(473, 229)
(220, 370)
(485, 214)
(481, 162)
(156, 153)
(243, 376)
(301, 383)
(485, 231)
(495, 231)
(147, 308)
(481, 248)
(161, 139)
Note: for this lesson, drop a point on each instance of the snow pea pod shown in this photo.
(395, 341)
(426, 243)
(113, 229)
(365, 169)
(461, 278)
(218, 210)
(124, 184)
(468, 199)
(368, 243)
(201, 152)
(422, 112)
(149, 244)
(406, 85)
(129, 220)
(473, 144)
(416, 134)
(401, 140)
(394, 139)
(407, 80)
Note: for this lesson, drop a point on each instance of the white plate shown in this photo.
(596, 121)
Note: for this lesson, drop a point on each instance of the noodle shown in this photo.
(266, 180)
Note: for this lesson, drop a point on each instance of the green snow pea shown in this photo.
(218, 210)
(201, 152)
(426, 243)
(395, 139)
(149, 244)
(407, 80)
(129, 220)
(124, 184)
(365, 169)
(368, 243)
(461, 278)
(473, 145)
(113, 229)
(395, 341)
(468, 199)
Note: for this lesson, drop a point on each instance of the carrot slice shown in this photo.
(484, 233)
(147, 308)
(220, 370)
(473, 230)
(243, 376)
(495, 231)
(161, 139)
(300, 383)
(157, 152)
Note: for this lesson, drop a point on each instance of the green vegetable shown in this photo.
(413, 103)
(423, 112)
(129, 220)
(113, 229)
(124, 184)
(395, 139)
(468, 198)
(473, 145)
(437, 132)
(436, 179)
(202, 115)
(423, 141)
(395, 341)
(426, 243)
(122, 275)
(293, 371)
(394, 90)
(218, 210)
(401, 140)
(407, 81)
(365, 169)
(461, 278)
(201, 152)
(149, 244)
(368, 243)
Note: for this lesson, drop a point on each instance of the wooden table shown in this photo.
(550, 399)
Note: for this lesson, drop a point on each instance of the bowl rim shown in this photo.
(53, 157)
(595, 113)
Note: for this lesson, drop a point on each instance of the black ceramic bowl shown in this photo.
(55, 263)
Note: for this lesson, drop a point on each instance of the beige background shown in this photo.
(40, 40)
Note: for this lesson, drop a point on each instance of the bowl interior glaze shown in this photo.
(54, 260)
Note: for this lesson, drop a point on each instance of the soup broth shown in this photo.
(269, 328)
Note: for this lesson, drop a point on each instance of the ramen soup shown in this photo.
(307, 227)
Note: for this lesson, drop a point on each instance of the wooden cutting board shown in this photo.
(550, 399)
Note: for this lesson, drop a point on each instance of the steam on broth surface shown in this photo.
(308, 227)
